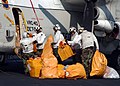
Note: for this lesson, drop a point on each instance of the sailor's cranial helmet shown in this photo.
(72, 29)
(57, 26)
(38, 28)
(81, 29)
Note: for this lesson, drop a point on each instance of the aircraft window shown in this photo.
(7, 33)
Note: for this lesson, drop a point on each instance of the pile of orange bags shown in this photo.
(47, 65)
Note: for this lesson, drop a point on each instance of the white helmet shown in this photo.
(24, 35)
(72, 29)
(38, 28)
(58, 27)
(81, 29)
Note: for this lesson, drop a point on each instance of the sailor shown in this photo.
(75, 43)
(40, 38)
(57, 38)
(73, 32)
(27, 49)
(89, 45)
(27, 46)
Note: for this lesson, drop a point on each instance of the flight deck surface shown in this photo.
(11, 74)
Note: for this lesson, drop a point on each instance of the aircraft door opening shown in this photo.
(16, 13)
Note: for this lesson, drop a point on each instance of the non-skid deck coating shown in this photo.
(11, 74)
(17, 79)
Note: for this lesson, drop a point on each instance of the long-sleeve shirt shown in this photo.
(76, 41)
(40, 37)
(88, 39)
(57, 38)
(27, 45)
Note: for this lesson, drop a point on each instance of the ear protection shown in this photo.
(72, 29)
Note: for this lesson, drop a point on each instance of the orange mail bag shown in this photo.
(49, 61)
(34, 66)
(75, 71)
(61, 71)
(64, 51)
(99, 64)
